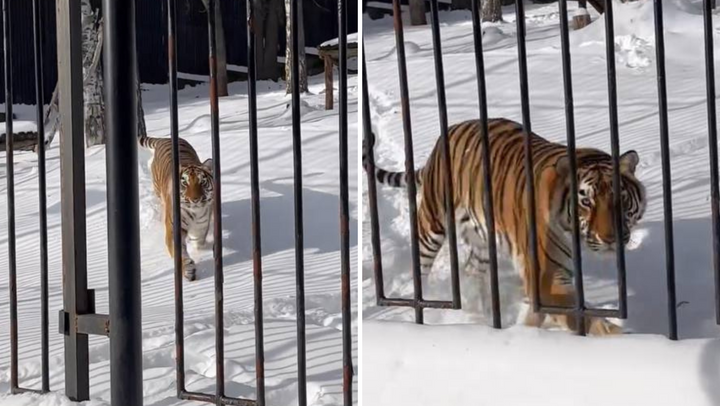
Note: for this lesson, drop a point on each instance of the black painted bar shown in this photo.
(442, 110)
(486, 165)
(409, 158)
(177, 238)
(120, 77)
(299, 233)
(712, 143)
(666, 174)
(570, 129)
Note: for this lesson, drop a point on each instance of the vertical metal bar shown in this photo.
(667, 179)
(529, 173)
(42, 189)
(615, 147)
(712, 142)
(449, 197)
(120, 58)
(12, 261)
(344, 206)
(255, 198)
(369, 155)
(409, 160)
(570, 129)
(217, 212)
(297, 181)
(177, 241)
(72, 170)
(488, 205)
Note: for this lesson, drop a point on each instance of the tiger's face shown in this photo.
(196, 184)
(596, 203)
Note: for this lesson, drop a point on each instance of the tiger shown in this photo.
(551, 168)
(196, 195)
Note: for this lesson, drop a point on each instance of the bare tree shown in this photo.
(492, 11)
(301, 48)
(94, 104)
(222, 75)
(269, 16)
(417, 12)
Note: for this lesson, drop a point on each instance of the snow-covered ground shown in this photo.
(322, 256)
(471, 365)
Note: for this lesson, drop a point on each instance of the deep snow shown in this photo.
(322, 256)
(418, 359)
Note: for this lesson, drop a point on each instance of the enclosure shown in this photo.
(94, 308)
(639, 77)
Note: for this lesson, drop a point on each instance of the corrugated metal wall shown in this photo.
(320, 24)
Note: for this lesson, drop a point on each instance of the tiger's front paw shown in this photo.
(189, 269)
(603, 327)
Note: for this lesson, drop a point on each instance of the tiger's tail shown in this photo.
(148, 142)
(394, 179)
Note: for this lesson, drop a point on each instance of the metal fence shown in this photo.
(580, 310)
(78, 319)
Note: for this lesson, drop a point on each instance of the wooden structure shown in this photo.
(330, 56)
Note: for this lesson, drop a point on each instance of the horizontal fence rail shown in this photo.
(580, 310)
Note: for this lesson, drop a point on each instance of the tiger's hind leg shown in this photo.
(431, 236)
(477, 266)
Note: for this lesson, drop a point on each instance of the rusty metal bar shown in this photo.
(42, 192)
(344, 206)
(217, 209)
(177, 239)
(256, 219)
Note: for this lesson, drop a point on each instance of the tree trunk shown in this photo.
(94, 104)
(301, 49)
(492, 11)
(269, 16)
(222, 76)
(417, 12)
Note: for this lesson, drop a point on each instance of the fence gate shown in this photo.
(580, 309)
(78, 319)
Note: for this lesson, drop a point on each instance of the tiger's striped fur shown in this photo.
(196, 194)
(552, 197)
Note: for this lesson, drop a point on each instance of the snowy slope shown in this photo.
(420, 357)
(321, 191)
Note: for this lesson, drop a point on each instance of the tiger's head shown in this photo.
(196, 184)
(596, 203)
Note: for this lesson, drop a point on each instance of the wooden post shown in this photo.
(329, 96)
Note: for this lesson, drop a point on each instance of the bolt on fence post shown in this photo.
(72, 169)
(121, 101)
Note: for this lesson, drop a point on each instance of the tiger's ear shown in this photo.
(562, 167)
(208, 164)
(629, 161)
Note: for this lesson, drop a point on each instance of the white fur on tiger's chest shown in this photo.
(196, 218)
